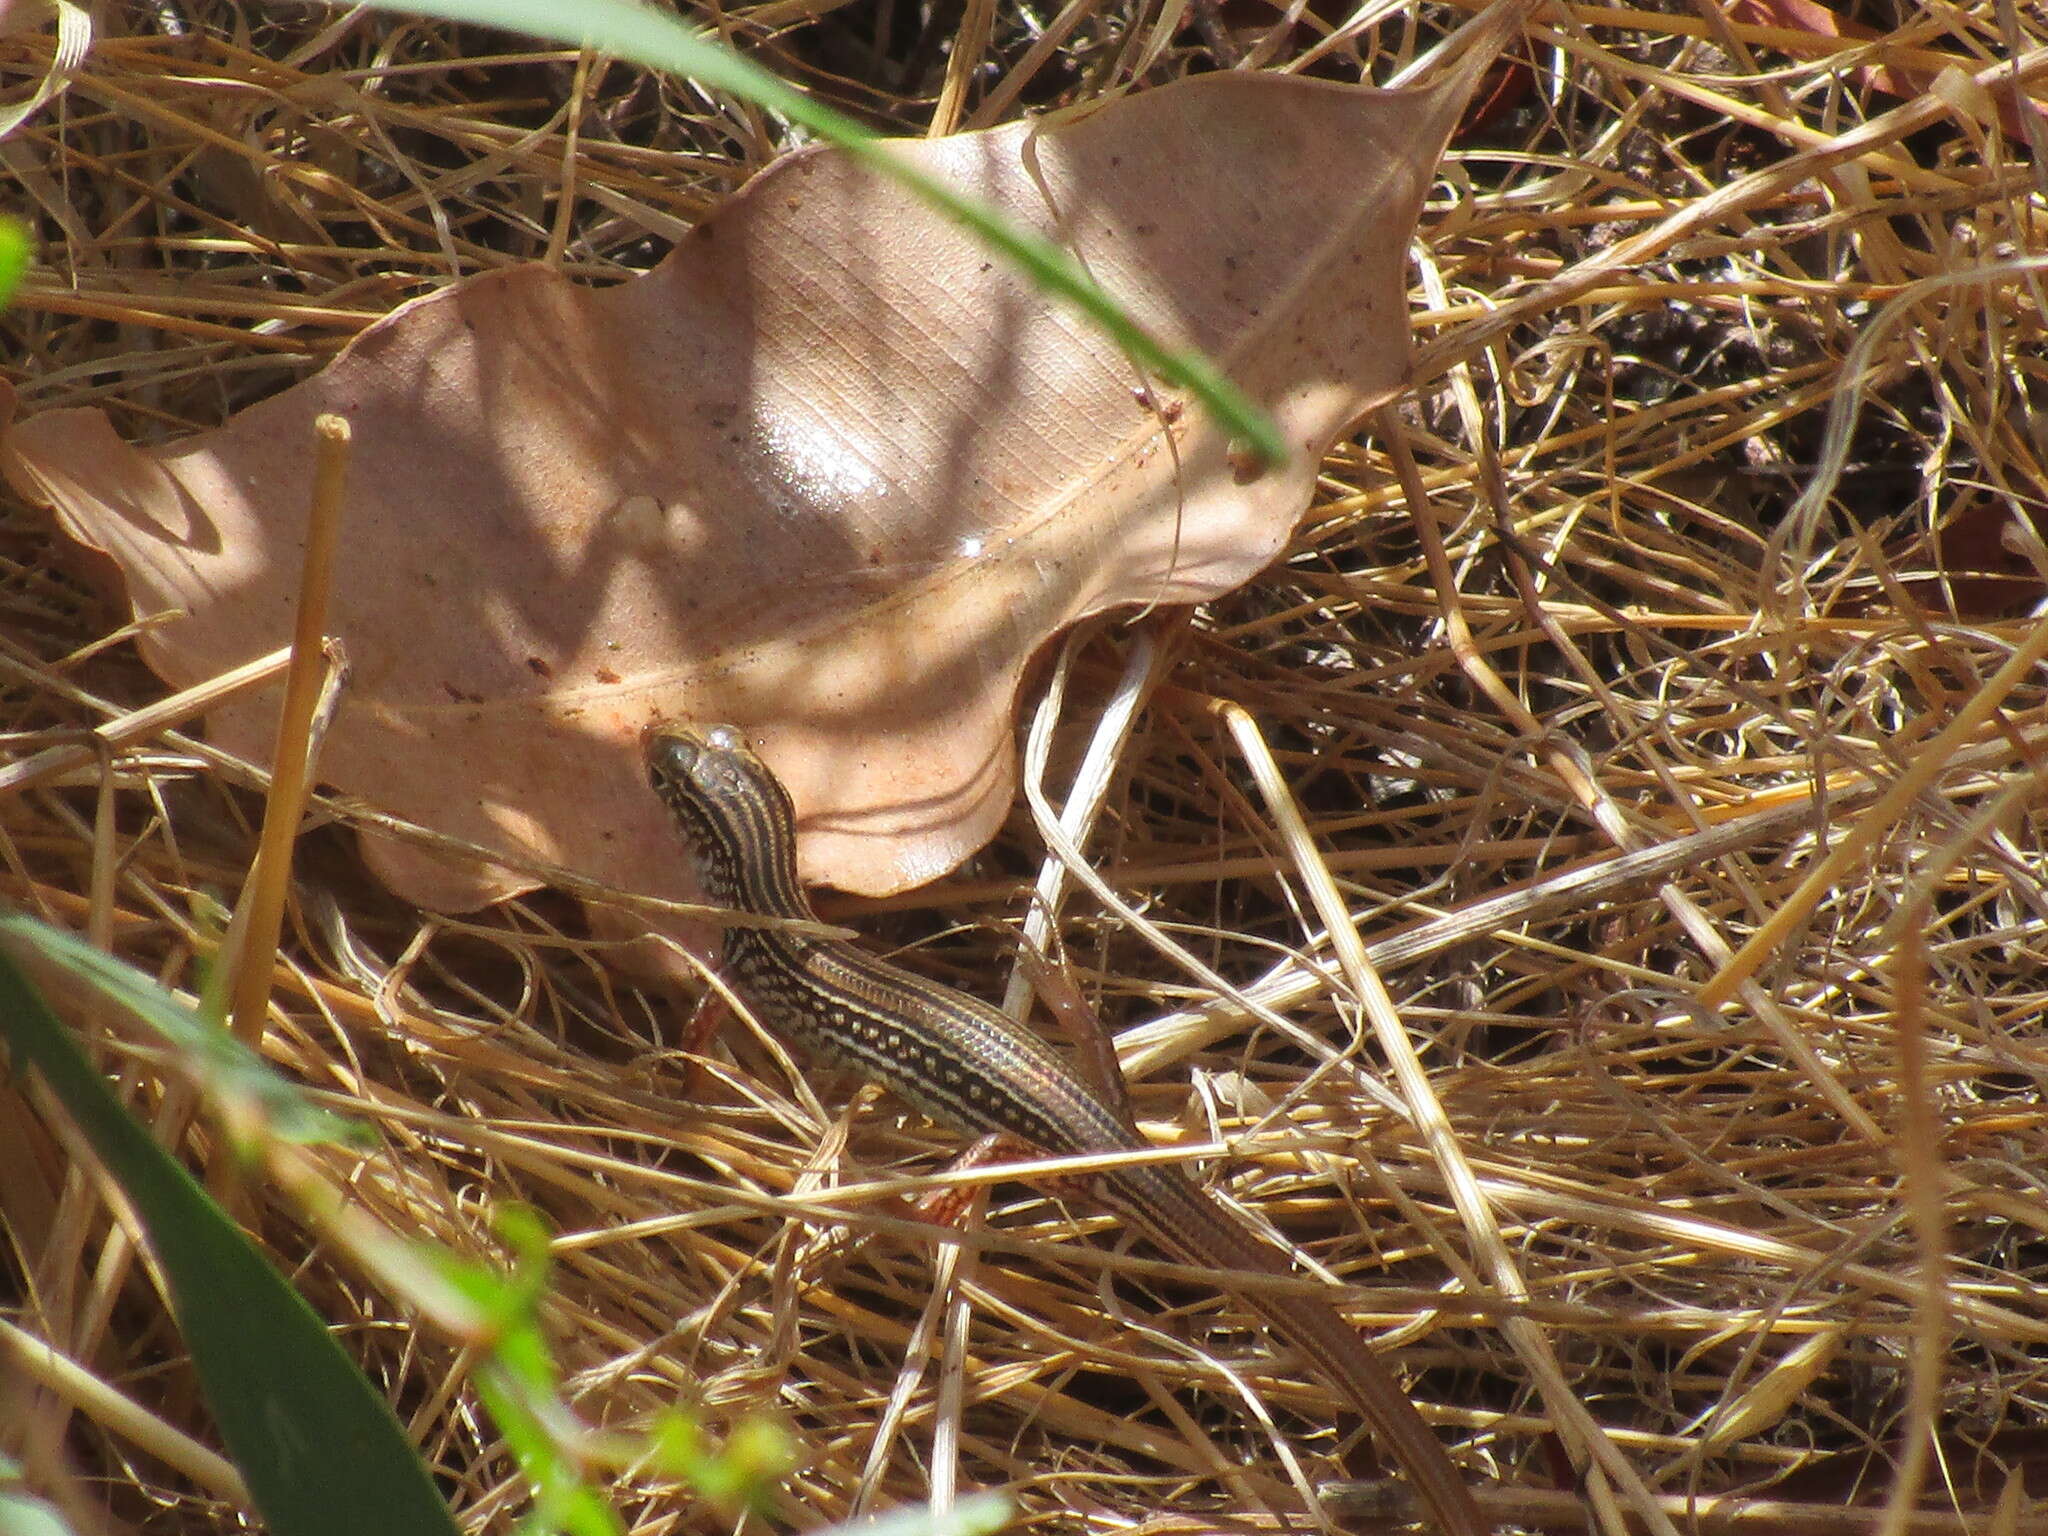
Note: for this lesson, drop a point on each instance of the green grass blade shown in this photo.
(632, 31)
(13, 258)
(228, 1069)
(321, 1451)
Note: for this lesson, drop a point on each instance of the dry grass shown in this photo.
(1561, 753)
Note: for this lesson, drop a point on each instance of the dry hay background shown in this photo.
(1713, 1212)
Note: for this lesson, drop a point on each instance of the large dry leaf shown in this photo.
(830, 471)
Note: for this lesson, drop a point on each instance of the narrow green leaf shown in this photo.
(226, 1068)
(321, 1450)
(13, 258)
(629, 30)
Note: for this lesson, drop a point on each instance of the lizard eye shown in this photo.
(671, 757)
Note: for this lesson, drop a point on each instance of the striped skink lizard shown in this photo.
(965, 1064)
